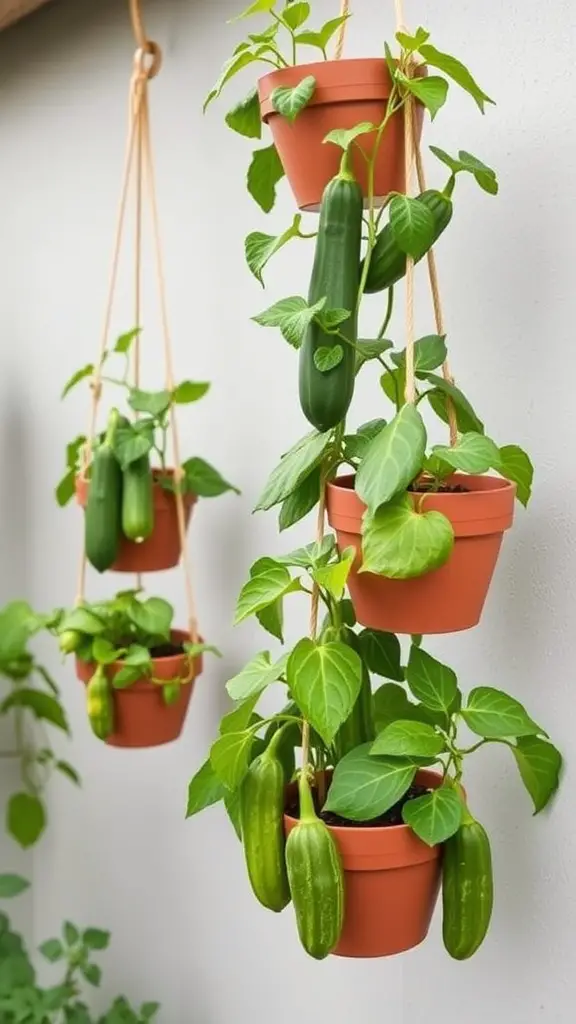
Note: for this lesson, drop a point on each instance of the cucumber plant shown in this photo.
(372, 743)
(129, 629)
(29, 702)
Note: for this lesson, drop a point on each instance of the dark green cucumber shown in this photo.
(467, 890)
(359, 726)
(102, 520)
(388, 262)
(262, 828)
(325, 396)
(137, 500)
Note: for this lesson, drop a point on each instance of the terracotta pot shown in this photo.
(141, 717)
(448, 599)
(392, 880)
(162, 549)
(347, 93)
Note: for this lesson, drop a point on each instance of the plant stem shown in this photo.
(389, 310)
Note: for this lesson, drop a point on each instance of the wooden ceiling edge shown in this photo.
(12, 11)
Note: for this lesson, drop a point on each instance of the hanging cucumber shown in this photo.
(262, 828)
(102, 520)
(359, 726)
(100, 704)
(137, 500)
(388, 262)
(467, 889)
(325, 396)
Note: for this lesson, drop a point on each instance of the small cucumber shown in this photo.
(467, 890)
(137, 500)
(102, 520)
(100, 704)
(262, 828)
(388, 262)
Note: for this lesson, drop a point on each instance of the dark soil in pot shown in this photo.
(393, 815)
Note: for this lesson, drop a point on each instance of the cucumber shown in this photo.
(388, 262)
(137, 500)
(325, 396)
(262, 828)
(359, 726)
(102, 520)
(100, 704)
(316, 879)
(467, 890)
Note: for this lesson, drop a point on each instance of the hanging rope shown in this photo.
(340, 38)
(147, 62)
(314, 603)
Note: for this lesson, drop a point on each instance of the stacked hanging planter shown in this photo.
(138, 669)
(349, 801)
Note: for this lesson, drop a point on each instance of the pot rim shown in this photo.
(178, 635)
(345, 483)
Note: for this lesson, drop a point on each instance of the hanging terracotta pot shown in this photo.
(347, 93)
(142, 718)
(391, 880)
(448, 599)
(162, 549)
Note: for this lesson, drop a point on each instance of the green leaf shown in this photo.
(295, 14)
(301, 501)
(245, 118)
(12, 885)
(66, 769)
(429, 354)
(204, 480)
(466, 418)
(155, 403)
(263, 590)
(473, 453)
(495, 715)
(264, 173)
(310, 556)
(124, 342)
(66, 488)
(71, 933)
(260, 248)
(190, 391)
(344, 137)
(324, 680)
(257, 7)
(432, 91)
(327, 357)
(400, 543)
(153, 616)
(381, 653)
(408, 738)
(290, 100)
(364, 786)
(393, 459)
(137, 656)
(432, 682)
(330, 319)
(333, 577)
(412, 226)
(370, 349)
(85, 371)
(436, 816)
(204, 789)
(241, 716)
(230, 757)
(321, 39)
(52, 950)
(293, 468)
(43, 706)
(539, 764)
(231, 68)
(356, 445)
(92, 973)
(411, 43)
(95, 938)
(129, 445)
(391, 702)
(25, 818)
(515, 465)
(256, 676)
(82, 620)
(232, 805)
(485, 176)
(103, 651)
(292, 315)
(456, 71)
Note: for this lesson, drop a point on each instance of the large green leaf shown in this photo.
(364, 786)
(12, 885)
(456, 71)
(205, 481)
(295, 14)
(42, 705)
(429, 354)
(264, 173)
(539, 764)
(515, 465)
(436, 816)
(256, 676)
(333, 577)
(263, 590)
(390, 703)
(258, 7)
(236, 63)
(401, 543)
(153, 617)
(245, 118)
(241, 716)
(321, 39)
(204, 789)
(293, 468)
(393, 459)
(412, 225)
(324, 680)
(230, 757)
(495, 715)
(406, 738)
(292, 316)
(381, 653)
(290, 100)
(431, 682)
(466, 417)
(25, 818)
(473, 453)
(301, 501)
(260, 248)
(431, 91)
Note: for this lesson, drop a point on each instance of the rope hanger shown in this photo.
(139, 169)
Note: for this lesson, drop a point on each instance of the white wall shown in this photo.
(120, 854)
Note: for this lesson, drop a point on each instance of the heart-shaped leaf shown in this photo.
(324, 680)
(412, 226)
(473, 453)
(381, 653)
(230, 757)
(393, 459)
(400, 543)
(333, 577)
(406, 738)
(391, 703)
(255, 676)
(344, 137)
(432, 91)
(292, 315)
(431, 682)
(263, 590)
(429, 354)
(264, 173)
(495, 715)
(290, 100)
(364, 787)
(515, 465)
(327, 357)
(245, 117)
(539, 764)
(436, 816)
(260, 248)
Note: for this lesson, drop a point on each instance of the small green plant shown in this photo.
(23, 1001)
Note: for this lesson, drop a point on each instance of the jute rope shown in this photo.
(147, 62)
(340, 38)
